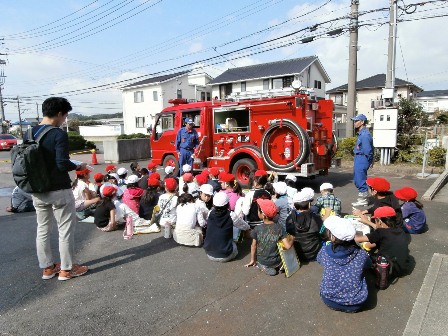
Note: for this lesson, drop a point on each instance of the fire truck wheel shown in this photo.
(171, 160)
(242, 169)
(274, 134)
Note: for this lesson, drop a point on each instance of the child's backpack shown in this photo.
(382, 272)
(29, 169)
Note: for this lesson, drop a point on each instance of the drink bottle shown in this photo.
(382, 271)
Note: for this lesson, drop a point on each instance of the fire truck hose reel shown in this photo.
(295, 131)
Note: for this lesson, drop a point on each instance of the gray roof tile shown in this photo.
(433, 93)
(265, 70)
(377, 81)
(158, 79)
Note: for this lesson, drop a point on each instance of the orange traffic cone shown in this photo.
(94, 159)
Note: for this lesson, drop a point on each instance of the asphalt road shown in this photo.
(152, 286)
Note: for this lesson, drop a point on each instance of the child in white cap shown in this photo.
(343, 286)
(205, 195)
(305, 226)
(186, 168)
(291, 189)
(282, 202)
(327, 204)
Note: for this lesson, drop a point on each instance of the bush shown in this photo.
(76, 141)
(90, 145)
(345, 148)
(409, 157)
(437, 156)
(133, 136)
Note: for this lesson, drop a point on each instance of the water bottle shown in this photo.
(167, 233)
(382, 273)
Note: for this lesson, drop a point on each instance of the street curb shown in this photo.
(425, 295)
(436, 186)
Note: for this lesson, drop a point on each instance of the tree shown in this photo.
(442, 117)
(410, 116)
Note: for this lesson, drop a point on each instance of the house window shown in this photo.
(265, 84)
(140, 122)
(202, 96)
(317, 84)
(243, 86)
(338, 99)
(179, 93)
(138, 97)
(287, 81)
(155, 96)
(209, 97)
(277, 83)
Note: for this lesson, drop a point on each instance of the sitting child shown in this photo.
(213, 179)
(186, 231)
(281, 202)
(20, 201)
(149, 199)
(264, 251)
(84, 197)
(219, 244)
(414, 218)
(168, 202)
(328, 204)
(291, 189)
(250, 206)
(205, 195)
(189, 185)
(390, 240)
(343, 286)
(105, 213)
(379, 190)
(231, 188)
(305, 226)
(132, 193)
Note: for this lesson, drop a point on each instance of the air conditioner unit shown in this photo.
(377, 104)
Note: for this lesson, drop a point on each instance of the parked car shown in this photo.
(7, 141)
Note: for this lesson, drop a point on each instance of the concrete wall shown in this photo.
(126, 150)
(101, 130)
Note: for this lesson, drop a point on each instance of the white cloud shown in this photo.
(195, 47)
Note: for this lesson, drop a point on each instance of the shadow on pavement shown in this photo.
(122, 257)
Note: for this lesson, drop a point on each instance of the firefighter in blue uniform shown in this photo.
(363, 158)
(186, 141)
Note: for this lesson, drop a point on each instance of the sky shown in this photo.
(86, 50)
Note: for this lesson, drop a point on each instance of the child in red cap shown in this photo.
(84, 197)
(379, 189)
(168, 202)
(232, 188)
(414, 218)
(150, 198)
(213, 179)
(390, 240)
(105, 211)
(264, 251)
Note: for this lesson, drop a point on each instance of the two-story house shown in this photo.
(274, 75)
(368, 90)
(433, 101)
(144, 99)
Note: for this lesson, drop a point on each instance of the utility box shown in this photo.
(385, 128)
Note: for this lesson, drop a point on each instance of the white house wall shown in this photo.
(165, 91)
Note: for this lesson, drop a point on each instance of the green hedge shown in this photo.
(437, 156)
(77, 142)
(345, 148)
(133, 136)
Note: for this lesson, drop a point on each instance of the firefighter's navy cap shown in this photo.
(360, 117)
(189, 121)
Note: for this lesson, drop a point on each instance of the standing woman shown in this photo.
(363, 158)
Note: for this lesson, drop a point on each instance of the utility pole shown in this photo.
(20, 116)
(37, 111)
(388, 92)
(2, 81)
(352, 67)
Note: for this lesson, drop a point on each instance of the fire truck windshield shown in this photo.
(164, 123)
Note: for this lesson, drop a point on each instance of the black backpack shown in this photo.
(29, 168)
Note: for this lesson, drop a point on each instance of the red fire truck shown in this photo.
(286, 131)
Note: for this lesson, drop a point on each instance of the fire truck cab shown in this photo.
(286, 131)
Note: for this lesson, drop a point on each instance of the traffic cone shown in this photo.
(94, 159)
